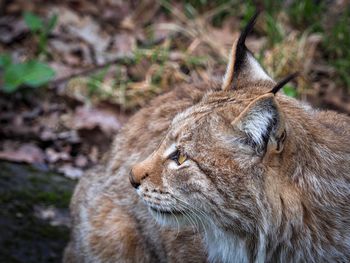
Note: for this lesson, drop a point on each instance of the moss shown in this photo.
(24, 237)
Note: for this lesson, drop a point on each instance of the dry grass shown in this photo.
(194, 49)
(294, 53)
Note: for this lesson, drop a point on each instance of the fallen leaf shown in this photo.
(62, 70)
(94, 153)
(143, 13)
(81, 161)
(54, 156)
(70, 171)
(123, 44)
(27, 153)
(86, 117)
(55, 216)
(70, 136)
(79, 40)
(71, 53)
(11, 29)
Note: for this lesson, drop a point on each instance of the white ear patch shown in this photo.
(259, 120)
(257, 124)
(169, 150)
(256, 72)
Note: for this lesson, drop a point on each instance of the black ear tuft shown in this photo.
(241, 49)
(283, 82)
(242, 66)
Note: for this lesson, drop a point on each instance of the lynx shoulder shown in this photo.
(229, 172)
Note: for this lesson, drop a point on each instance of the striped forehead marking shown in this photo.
(191, 112)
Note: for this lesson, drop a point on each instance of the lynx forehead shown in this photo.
(236, 173)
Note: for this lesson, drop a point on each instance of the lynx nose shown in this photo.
(134, 182)
(139, 172)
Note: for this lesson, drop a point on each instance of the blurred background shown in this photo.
(73, 71)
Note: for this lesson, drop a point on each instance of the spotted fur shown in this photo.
(266, 179)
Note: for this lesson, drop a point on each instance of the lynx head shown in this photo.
(211, 165)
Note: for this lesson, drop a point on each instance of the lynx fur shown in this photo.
(227, 172)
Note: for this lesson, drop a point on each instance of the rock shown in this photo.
(34, 214)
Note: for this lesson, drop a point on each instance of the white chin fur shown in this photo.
(168, 219)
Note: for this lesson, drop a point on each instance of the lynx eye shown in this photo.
(178, 157)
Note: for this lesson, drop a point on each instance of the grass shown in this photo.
(337, 43)
(192, 52)
(306, 14)
(290, 30)
(40, 29)
(300, 18)
(310, 17)
(219, 10)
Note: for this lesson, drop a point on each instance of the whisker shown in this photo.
(199, 214)
(178, 224)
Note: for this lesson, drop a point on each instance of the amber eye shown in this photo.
(181, 159)
(178, 157)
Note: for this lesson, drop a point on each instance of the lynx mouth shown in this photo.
(166, 212)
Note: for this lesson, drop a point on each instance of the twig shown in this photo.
(122, 60)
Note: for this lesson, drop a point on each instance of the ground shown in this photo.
(34, 221)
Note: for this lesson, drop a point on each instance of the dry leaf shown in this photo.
(11, 29)
(55, 216)
(86, 117)
(70, 171)
(27, 153)
(54, 156)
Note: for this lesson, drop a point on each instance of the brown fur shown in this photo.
(266, 180)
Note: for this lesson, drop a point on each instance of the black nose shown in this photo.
(133, 181)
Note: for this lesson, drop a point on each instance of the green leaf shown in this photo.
(34, 22)
(13, 77)
(5, 60)
(290, 91)
(32, 73)
(52, 23)
(37, 74)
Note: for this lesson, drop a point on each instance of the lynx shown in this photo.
(220, 172)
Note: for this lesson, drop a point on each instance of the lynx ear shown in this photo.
(242, 64)
(262, 122)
